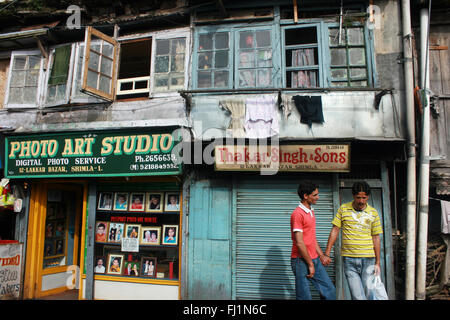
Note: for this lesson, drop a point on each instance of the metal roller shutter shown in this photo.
(263, 240)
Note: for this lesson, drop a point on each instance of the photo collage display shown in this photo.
(152, 217)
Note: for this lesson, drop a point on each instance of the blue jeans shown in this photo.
(321, 280)
(359, 273)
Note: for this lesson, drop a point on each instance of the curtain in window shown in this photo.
(303, 79)
(60, 68)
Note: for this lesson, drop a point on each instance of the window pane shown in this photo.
(32, 78)
(302, 79)
(338, 57)
(19, 63)
(177, 64)
(204, 79)
(220, 79)
(339, 84)
(205, 42)
(105, 84)
(247, 78)
(107, 67)
(246, 40)
(18, 78)
(94, 61)
(339, 74)
(357, 56)
(301, 57)
(162, 47)
(247, 59)
(107, 49)
(29, 95)
(34, 62)
(357, 72)
(178, 46)
(355, 36)
(262, 39)
(15, 95)
(204, 60)
(221, 60)
(264, 78)
(221, 40)
(334, 37)
(162, 81)
(92, 79)
(176, 81)
(265, 58)
(299, 36)
(358, 83)
(162, 64)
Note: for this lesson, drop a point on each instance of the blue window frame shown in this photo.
(311, 55)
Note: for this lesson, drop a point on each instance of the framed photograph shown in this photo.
(99, 265)
(60, 246)
(137, 201)
(148, 267)
(115, 232)
(49, 248)
(105, 201)
(50, 229)
(131, 268)
(150, 235)
(101, 228)
(115, 263)
(172, 202)
(121, 201)
(170, 234)
(60, 230)
(132, 230)
(154, 201)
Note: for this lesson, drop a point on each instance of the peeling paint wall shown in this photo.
(4, 67)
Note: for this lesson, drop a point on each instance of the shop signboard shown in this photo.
(10, 269)
(91, 154)
(306, 158)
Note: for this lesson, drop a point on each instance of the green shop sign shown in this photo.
(92, 154)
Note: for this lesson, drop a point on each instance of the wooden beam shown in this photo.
(295, 11)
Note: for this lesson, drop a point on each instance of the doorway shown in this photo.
(54, 242)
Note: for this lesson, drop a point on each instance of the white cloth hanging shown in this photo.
(445, 217)
(261, 117)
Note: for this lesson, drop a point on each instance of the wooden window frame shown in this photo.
(87, 50)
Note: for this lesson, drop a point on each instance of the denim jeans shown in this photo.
(359, 273)
(321, 280)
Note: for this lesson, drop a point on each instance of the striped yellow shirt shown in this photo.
(357, 227)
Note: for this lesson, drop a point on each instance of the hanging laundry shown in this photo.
(310, 109)
(236, 107)
(445, 217)
(261, 117)
(286, 105)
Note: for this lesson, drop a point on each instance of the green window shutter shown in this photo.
(60, 67)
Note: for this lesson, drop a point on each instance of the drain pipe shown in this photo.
(424, 177)
(411, 151)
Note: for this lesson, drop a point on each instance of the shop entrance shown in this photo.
(53, 245)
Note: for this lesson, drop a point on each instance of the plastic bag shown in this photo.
(377, 289)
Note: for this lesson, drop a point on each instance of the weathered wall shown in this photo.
(4, 67)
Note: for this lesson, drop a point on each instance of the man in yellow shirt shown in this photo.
(361, 229)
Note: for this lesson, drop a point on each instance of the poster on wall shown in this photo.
(10, 270)
(91, 154)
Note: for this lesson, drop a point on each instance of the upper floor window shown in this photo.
(234, 58)
(87, 72)
(24, 79)
(348, 62)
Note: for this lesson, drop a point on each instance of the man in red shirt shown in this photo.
(307, 259)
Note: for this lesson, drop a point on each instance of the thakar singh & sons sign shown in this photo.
(97, 153)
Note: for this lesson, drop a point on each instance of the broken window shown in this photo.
(24, 79)
(301, 48)
(134, 69)
(348, 63)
